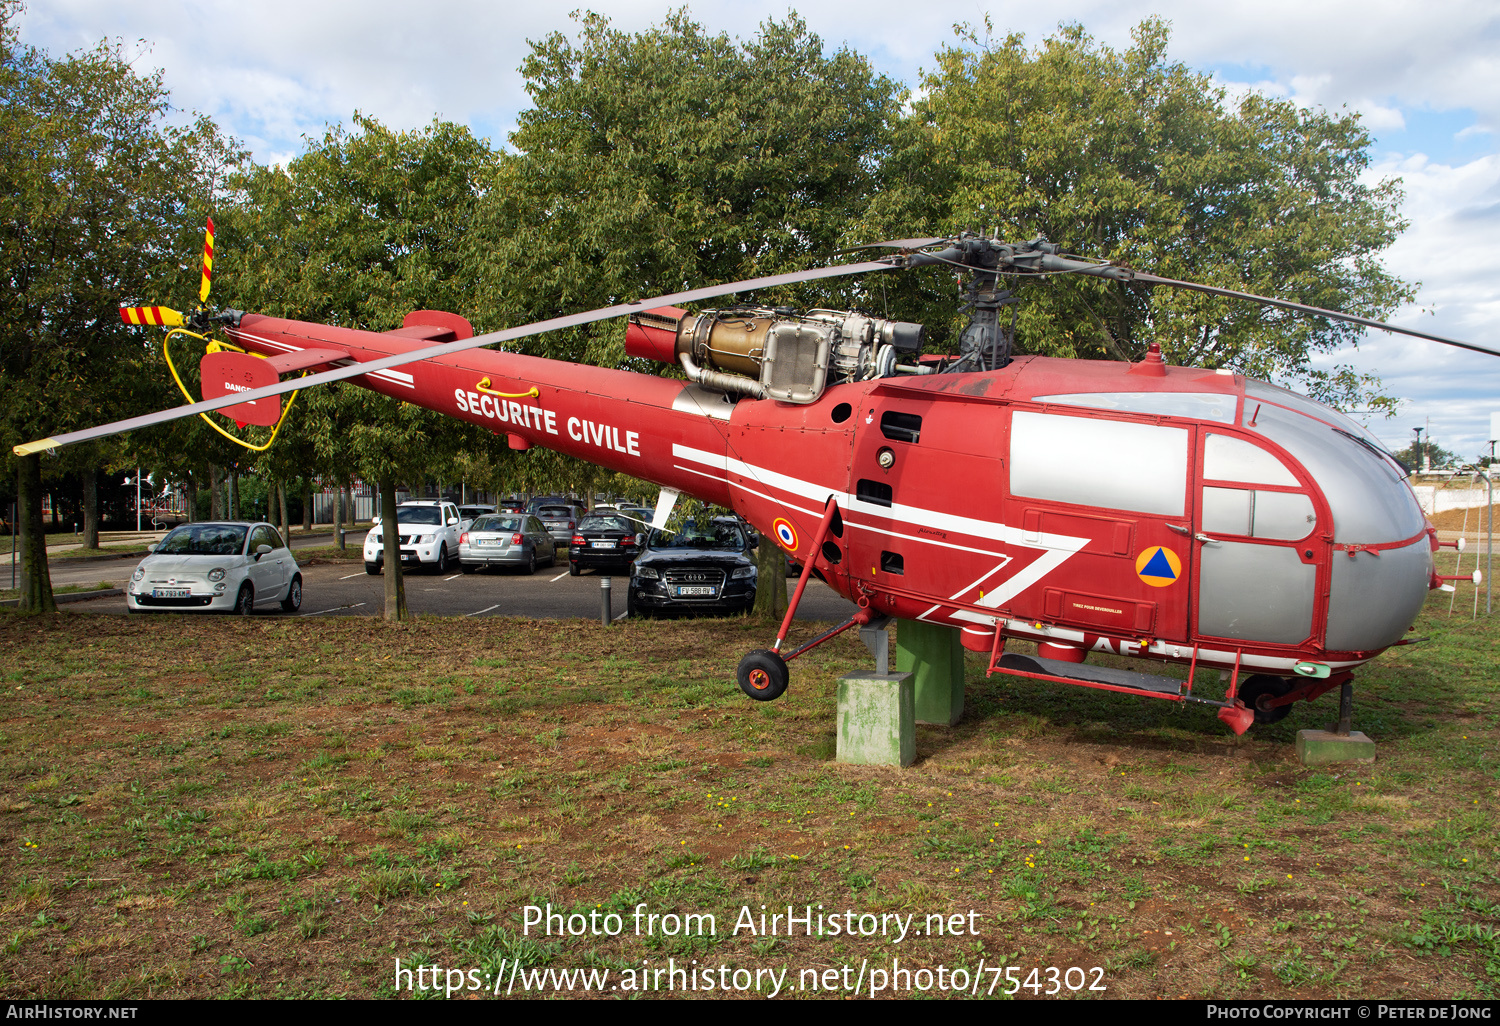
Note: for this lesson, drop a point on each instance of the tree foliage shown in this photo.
(93, 189)
(364, 227)
(1135, 158)
(674, 157)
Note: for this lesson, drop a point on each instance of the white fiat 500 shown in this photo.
(218, 567)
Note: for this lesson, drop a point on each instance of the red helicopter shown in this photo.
(1165, 513)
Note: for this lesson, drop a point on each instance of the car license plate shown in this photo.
(601, 544)
(171, 593)
(688, 590)
(489, 541)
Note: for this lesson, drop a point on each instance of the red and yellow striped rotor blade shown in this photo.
(208, 262)
(163, 316)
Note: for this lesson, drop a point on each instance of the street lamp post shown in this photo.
(137, 499)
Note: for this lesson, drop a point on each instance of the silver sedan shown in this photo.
(506, 539)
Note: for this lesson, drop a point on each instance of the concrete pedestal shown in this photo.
(877, 723)
(1324, 748)
(936, 656)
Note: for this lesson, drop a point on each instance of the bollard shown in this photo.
(605, 615)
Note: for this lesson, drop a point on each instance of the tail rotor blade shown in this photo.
(160, 316)
(208, 262)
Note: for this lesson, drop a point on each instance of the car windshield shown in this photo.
(718, 537)
(204, 540)
(604, 524)
(493, 523)
(419, 515)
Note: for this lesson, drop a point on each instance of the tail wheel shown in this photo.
(1259, 690)
(763, 675)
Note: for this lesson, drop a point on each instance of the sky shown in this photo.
(1427, 86)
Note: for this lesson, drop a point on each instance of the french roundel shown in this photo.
(785, 533)
(1158, 566)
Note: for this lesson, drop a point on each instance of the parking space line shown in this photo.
(351, 577)
(453, 578)
(335, 609)
(486, 609)
(557, 578)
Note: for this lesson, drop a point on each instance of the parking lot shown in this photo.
(344, 589)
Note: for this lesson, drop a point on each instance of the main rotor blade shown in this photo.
(901, 244)
(418, 355)
(1054, 264)
(1214, 290)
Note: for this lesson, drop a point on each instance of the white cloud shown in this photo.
(275, 70)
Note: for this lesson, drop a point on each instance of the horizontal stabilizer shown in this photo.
(306, 359)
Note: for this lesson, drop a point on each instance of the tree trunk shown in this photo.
(36, 582)
(215, 493)
(190, 488)
(770, 585)
(286, 525)
(395, 587)
(307, 510)
(234, 495)
(338, 517)
(91, 509)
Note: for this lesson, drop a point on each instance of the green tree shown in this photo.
(93, 189)
(670, 157)
(667, 158)
(1427, 454)
(1134, 158)
(364, 227)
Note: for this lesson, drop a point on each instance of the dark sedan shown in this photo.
(604, 541)
(703, 567)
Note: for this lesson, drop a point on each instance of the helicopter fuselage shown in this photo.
(1142, 510)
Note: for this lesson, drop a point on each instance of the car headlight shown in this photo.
(646, 573)
(140, 572)
(216, 574)
(743, 571)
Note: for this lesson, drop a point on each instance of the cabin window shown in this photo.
(1234, 459)
(1251, 513)
(1097, 462)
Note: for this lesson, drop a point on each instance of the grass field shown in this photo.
(285, 808)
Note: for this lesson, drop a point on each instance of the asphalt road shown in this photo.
(344, 589)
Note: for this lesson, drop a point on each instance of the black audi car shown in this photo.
(701, 567)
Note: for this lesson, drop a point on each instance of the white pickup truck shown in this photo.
(427, 531)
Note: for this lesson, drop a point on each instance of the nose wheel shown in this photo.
(1258, 692)
(763, 675)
